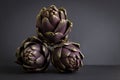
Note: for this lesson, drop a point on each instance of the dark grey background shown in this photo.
(96, 27)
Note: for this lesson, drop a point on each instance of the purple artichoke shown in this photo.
(33, 55)
(52, 25)
(67, 57)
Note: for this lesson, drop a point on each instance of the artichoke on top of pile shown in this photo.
(67, 57)
(33, 55)
(52, 25)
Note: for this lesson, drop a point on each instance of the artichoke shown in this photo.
(67, 57)
(52, 25)
(33, 55)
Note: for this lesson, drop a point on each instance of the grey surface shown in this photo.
(96, 27)
(85, 73)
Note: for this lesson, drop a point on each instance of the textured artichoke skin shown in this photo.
(52, 25)
(67, 57)
(33, 55)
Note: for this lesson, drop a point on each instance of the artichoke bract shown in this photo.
(67, 57)
(33, 55)
(52, 25)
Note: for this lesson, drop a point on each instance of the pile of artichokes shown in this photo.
(51, 44)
